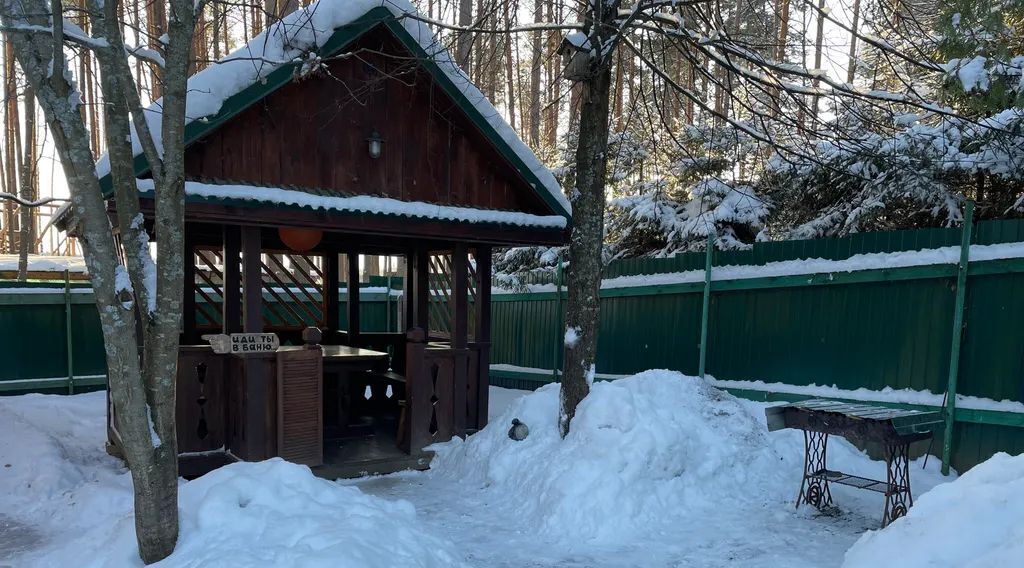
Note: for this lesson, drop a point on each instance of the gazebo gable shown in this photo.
(493, 168)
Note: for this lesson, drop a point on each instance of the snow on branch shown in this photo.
(29, 203)
(72, 33)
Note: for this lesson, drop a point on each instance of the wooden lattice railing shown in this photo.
(209, 287)
(292, 287)
(441, 303)
(295, 284)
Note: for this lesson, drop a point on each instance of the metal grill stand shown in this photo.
(814, 486)
(893, 428)
(897, 496)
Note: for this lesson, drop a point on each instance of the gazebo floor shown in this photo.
(369, 455)
(369, 449)
(375, 452)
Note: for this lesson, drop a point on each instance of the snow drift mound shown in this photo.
(273, 513)
(642, 450)
(974, 521)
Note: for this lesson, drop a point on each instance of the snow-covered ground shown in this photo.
(659, 470)
(974, 523)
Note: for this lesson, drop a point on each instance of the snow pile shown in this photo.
(642, 451)
(65, 502)
(974, 521)
(272, 513)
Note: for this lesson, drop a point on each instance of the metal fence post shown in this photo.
(559, 320)
(67, 331)
(707, 304)
(957, 339)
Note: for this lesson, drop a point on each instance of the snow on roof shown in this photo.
(365, 204)
(44, 263)
(306, 30)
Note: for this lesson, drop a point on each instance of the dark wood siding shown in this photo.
(312, 133)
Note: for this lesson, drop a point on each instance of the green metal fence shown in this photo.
(889, 327)
(50, 338)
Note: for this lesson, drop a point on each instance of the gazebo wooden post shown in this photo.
(409, 292)
(418, 392)
(353, 298)
(483, 331)
(252, 280)
(232, 306)
(422, 291)
(330, 287)
(255, 372)
(188, 300)
(460, 336)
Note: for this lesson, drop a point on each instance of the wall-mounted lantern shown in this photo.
(375, 144)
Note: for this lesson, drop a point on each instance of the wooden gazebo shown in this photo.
(368, 141)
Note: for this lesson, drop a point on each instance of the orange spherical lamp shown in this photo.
(300, 240)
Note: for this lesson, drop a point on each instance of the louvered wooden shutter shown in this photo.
(300, 422)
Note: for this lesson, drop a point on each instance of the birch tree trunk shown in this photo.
(141, 384)
(588, 201)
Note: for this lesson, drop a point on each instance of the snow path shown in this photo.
(54, 472)
(488, 536)
(776, 535)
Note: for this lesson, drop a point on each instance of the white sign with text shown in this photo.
(244, 342)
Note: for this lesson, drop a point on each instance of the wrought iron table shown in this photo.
(894, 428)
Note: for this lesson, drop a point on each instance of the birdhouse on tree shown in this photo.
(576, 55)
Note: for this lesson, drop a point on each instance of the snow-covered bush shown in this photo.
(697, 194)
(656, 224)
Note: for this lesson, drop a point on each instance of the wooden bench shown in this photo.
(894, 428)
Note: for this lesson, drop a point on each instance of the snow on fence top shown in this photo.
(886, 395)
(44, 263)
(809, 266)
(365, 204)
(304, 32)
